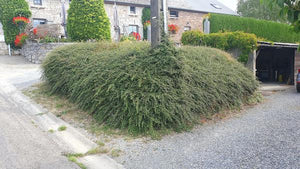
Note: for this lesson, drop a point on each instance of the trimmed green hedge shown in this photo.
(225, 41)
(87, 20)
(131, 86)
(272, 31)
(8, 10)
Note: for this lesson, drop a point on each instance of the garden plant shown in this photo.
(140, 89)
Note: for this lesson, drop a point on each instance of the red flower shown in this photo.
(136, 35)
(19, 19)
(35, 31)
(147, 23)
(173, 28)
(20, 39)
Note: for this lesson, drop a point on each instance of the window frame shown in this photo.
(137, 28)
(132, 12)
(38, 19)
(174, 16)
(38, 3)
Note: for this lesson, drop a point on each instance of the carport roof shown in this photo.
(278, 45)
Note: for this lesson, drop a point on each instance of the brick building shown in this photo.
(186, 14)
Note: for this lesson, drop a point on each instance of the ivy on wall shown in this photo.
(227, 41)
(8, 10)
(87, 20)
(269, 30)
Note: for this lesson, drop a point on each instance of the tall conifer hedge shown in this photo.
(88, 20)
(8, 10)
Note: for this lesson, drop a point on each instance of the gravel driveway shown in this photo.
(266, 136)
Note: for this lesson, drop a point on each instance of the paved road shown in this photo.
(23, 145)
(266, 136)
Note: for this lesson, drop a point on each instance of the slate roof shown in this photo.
(206, 6)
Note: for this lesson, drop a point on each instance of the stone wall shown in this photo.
(50, 10)
(125, 18)
(36, 52)
(192, 20)
(3, 46)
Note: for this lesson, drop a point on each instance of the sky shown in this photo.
(232, 4)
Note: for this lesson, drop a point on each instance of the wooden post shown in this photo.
(155, 22)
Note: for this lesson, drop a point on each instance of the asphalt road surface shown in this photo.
(23, 145)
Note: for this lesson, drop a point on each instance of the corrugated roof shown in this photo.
(208, 6)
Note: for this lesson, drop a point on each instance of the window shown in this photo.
(133, 28)
(174, 14)
(216, 6)
(132, 10)
(37, 22)
(37, 2)
(187, 28)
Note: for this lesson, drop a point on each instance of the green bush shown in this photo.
(269, 30)
(225, 41)
(8, 10)
(87, 20)
(131, 86)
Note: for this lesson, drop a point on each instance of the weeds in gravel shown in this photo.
(74, 160)
(62, 128)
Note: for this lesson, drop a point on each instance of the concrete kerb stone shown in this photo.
(70, 140)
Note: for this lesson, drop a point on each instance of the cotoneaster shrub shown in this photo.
(269, 30)
(87, 20)
(131, 86)
(225, 41)
(8, 10)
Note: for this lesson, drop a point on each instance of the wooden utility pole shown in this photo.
(155, 22)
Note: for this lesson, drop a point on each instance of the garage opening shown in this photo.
(275, 64)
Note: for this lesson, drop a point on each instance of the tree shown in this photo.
(289, 8)
(255, 9)
(9, 10)
(87, 20)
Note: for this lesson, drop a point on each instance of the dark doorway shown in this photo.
(275, 64)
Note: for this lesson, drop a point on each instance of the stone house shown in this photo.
(186, 14)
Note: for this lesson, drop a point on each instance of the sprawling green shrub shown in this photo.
(272, 31)
(226, 41)
(87, 20)
(129, 85)
(8, 10)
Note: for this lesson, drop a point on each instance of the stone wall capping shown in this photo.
(36, 52)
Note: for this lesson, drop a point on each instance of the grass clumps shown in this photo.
(131, 86)
(62, 128)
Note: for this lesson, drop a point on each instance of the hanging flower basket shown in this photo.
(20, 39)
(147, 23)
(20, 20)
(173, 28)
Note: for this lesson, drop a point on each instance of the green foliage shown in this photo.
(272, 31)
(8, 10)
(225, 41)
(255, 9)
(127, 38)
(131, 86)
(289, 9)
(87, 20)
(146, 16)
